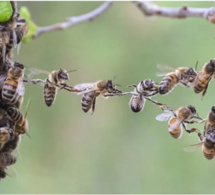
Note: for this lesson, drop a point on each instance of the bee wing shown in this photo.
(165, 69)
(164, 116)
(84, 87)
(193, 147)
(38, 71)
(21, 88)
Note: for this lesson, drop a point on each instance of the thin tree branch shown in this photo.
(150, 9)
(71, 21)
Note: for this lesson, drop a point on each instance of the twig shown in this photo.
(71, 21)
(150, 9)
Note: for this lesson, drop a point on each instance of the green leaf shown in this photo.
(24, 12)
(32, 27)
(6, 11)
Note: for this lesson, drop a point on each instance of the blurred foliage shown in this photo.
(114, 150)
(32, 27)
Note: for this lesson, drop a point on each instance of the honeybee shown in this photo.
(7, 159)
(207, 144)
(208, 138)
(20, 120)
(204, 76)
(6, 133)
(91, 91)
(13, 83)
(144, 90)
(177, 119)
(11, 145)
(12, 32)
(182, 75)
(55, 81)
(2, 173)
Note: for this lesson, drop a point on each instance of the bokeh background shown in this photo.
(114, 150)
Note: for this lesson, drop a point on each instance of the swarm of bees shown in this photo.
(13, 124)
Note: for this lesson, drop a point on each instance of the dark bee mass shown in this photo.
(11, 89)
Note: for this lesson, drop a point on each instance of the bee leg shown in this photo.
(93, 106)
(204, 92)
(34, 81)
(157, 103)
(132, 86)
(189, 130)
(155, 92)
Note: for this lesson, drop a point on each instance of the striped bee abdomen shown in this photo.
(177, 132)
(7, 159)
(137, 103)
(168, 83)
(49, 93)
(15, 115)
(9, 90)
(201, 82)
(208, 152)
(88, 100)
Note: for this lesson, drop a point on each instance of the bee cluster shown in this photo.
(13, 124)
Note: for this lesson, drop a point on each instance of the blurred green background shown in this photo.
(114, 150)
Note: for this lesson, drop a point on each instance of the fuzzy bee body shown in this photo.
(137, 103)
(88, 101)
(91, 91)
(182, 75)
(7, 159)
(168, 83)
(21, 122)
(177, 119)
(50, 92)
(144, 89)
(204, 76)
(12, 83)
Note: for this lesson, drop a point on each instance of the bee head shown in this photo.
(191, 71)
(213, 109)
(210, 138)
(148, 83)
(17, 64)
(210, 66)
(16, 72)
(192, 109)
(111, 87)
(10, 111)
(62, 74)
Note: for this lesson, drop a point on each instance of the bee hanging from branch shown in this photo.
(56, 80)
(91, 91)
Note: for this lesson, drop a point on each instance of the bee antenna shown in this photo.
(71, 71)
(132, 86)
(196, 65)
(114, 78)
(28, 135)
(27, 107)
